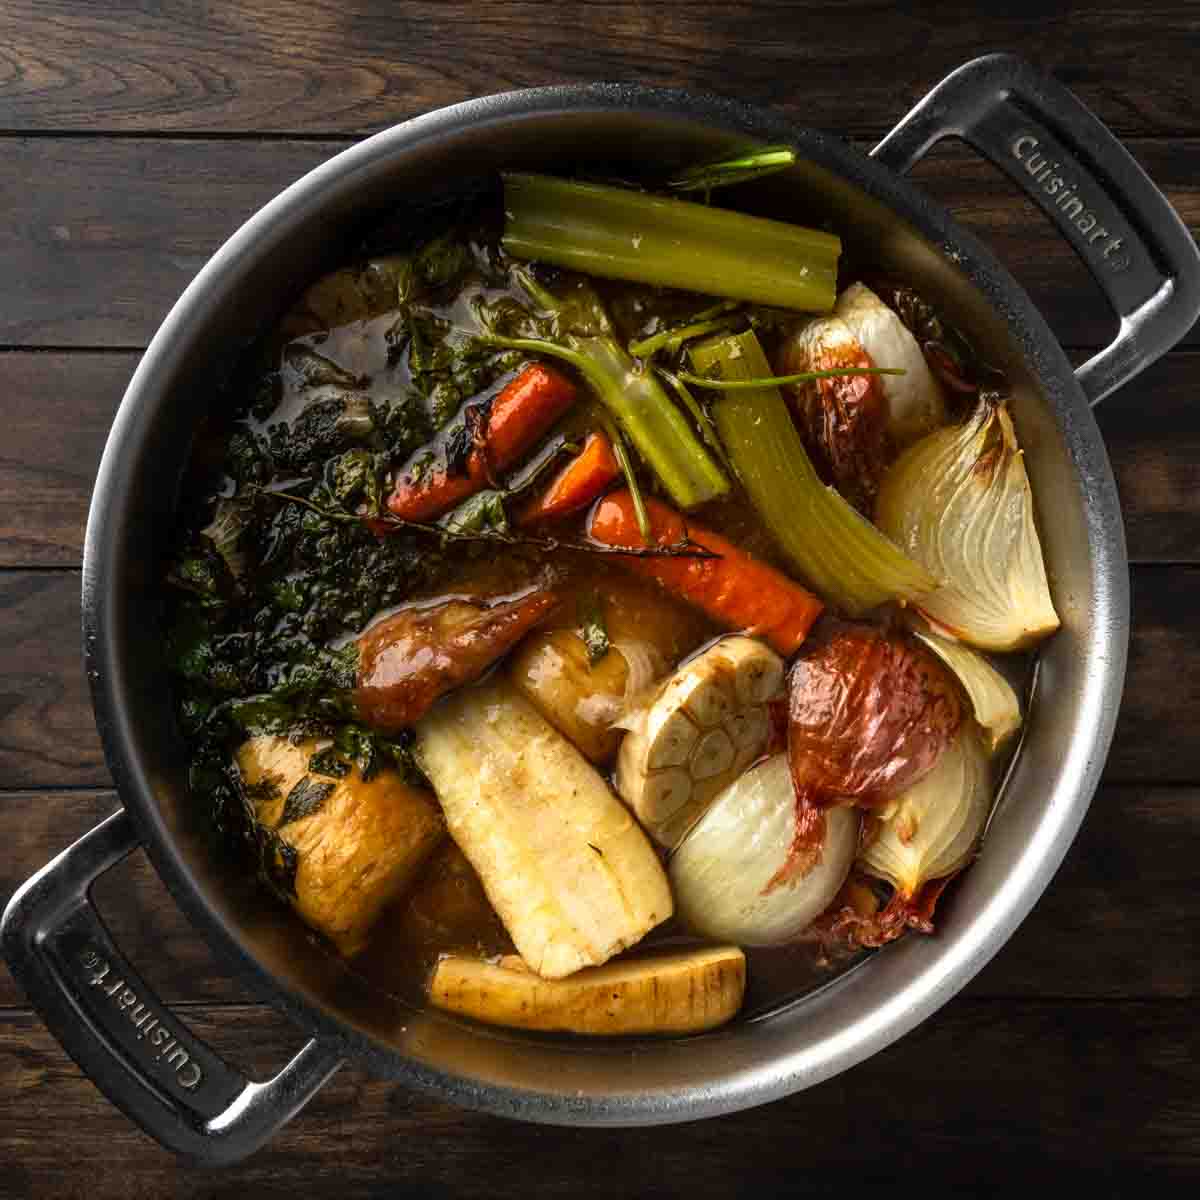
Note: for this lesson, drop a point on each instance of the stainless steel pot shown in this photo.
(175, 1087)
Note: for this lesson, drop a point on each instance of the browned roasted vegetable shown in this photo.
(869, 712)
(358, 842)
(410, 659)
(843, 420)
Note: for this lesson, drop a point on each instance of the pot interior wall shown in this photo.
(859, 1012)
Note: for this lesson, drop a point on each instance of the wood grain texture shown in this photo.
(331, 66)
(48, 740)
(57, 415)
(1109, 927)
(983, 1098)
(47, 732)
(61, 406)
(136, 135)
(100, 265)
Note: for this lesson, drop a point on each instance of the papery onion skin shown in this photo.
(913, 402)
(959, 503)
(995, 704)
(842, 420)
(934, 827)
(844, 926)
(869, 712)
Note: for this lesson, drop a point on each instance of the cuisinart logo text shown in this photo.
(161, 1041)
(1066, 197)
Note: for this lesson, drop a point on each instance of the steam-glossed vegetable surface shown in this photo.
(583, 599)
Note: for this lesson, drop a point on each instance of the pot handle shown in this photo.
(1075, 170)
(143, 1059)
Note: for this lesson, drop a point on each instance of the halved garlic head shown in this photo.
(931, 829)
(703, 726)
(735, 877)
(959, 503)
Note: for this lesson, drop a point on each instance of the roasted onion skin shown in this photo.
(412, 658)
(843, 420)
(869, 712)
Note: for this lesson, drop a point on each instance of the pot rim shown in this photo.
(935, 983)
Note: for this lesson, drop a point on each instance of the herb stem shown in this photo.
(737, 385)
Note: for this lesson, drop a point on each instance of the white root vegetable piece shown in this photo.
(735, 877)
(706, 723)
(682, 992)
(359, 843)
(581, 699)
(564, 864)
(914, 400)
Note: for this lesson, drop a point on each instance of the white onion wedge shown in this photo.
(931, 830)
(731, 874)
(914, 400)
(959, 503)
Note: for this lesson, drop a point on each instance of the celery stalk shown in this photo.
(623, 234)
(629, 391)
(849, 562)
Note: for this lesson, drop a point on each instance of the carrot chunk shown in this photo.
(735, 589)
(577, 484)
(520, 414)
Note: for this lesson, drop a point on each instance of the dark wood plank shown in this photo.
(983, 1098)
(47, 734)
(101, 265)
(326, 66)
(57, 418)
(47, 738)
(1111, 925)
(1161, 687)
(1152, 432)
(61, 406)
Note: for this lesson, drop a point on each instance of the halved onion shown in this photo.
(914, 400)
(996, 707)
(931, 830)
(959, 503)
(737, 876)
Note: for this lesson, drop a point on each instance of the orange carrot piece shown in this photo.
(527, 407)
(577, 484)
(524, 411)
(736, 590)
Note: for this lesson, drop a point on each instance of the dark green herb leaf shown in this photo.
(329, 762)
(278, 863)
(483, 511)
(593, 630)
(305, 799)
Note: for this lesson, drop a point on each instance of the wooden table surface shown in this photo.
(136, 135)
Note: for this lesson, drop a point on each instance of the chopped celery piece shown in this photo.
(630, 392)
(849, 562)
(703, 420)
(623, 234)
